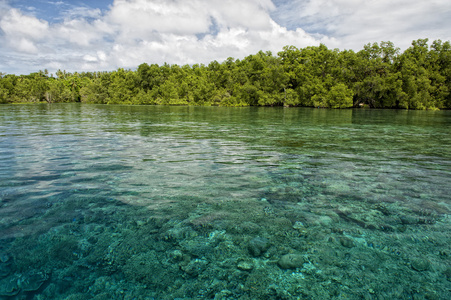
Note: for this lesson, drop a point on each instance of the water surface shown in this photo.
(131, 202)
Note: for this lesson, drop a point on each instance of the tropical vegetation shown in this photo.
(378, 76)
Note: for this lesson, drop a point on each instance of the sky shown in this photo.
(104, 35)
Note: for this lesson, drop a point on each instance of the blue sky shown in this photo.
(99, 35)
(55, 11)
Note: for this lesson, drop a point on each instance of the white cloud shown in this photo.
(140, 18)
(353, 23)
(81, 12)
(79, 32)
(196, 31)
(227, 29)
(14, 23)
(135, 31)
(90, 58)
(21, 31)
(24, 45)
(251, 15)
(131, 32)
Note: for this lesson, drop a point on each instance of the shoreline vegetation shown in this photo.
(378, 76)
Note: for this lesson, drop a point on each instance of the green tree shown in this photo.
(96, 90)
(416, 76)
(7, 88)
(378, 76)
(340, 96)
(373, 77)
(122, 88)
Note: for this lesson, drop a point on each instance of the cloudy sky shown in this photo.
(97, 35)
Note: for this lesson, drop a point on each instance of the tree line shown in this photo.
(378, 76)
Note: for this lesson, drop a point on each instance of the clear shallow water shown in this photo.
(229, 203)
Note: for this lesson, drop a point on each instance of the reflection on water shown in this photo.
(129, 202)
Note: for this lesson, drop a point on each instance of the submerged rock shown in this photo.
(258, 246)
(5, 269)
(32, 281)
(4, 257)
(420, 264)
(299, 226)
(28, 282)
(248, 227)
(176, 255)
(195, 267)
(291, 261)
(346, 242)
(407, 220)
(447, 273)
(5, 265)
(9, 286)
(245, 265)
(224, 294)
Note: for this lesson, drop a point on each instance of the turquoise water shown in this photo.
(129, 202)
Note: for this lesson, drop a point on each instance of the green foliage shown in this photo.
(378, 76)
(340, 96)
(4, 95)
(96, 90)
(7, 85)
(426, 75)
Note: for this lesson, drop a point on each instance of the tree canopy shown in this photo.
(378, 76)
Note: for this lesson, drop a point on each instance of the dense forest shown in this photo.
(378, 76)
